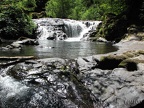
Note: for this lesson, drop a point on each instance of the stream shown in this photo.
(62, 38)
(54, 80)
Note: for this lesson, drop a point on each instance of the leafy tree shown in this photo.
(59, 8)
(29, 5)
(77, 10)
(14, 23)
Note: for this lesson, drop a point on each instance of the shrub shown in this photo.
(14, 23)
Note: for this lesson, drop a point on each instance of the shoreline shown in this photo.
(98, 76)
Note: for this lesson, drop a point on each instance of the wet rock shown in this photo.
(59, 35)
(73, 83)
(61, 29)
(51, 38)
(100, 39)
(46, 87)
(86, 63)
(17, 45)
(13, 46)
(27, 42)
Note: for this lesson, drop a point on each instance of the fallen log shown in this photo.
(14, 60)
(16, 57)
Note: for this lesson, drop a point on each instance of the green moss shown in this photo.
(110, 62)
(129, 64)
(126, 60)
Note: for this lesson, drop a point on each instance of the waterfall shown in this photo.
(45, 28)
(86, 27)
(65, 29)
(73, 28)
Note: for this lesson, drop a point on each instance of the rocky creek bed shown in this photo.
(113, 80)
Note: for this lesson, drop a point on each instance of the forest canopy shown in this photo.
(14, 22)
(16, 14)
(83, 9)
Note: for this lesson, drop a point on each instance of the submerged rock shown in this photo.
(17, 45)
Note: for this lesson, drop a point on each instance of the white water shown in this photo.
(44, 33)
(84, 28)
(10, 87)
(75, 30)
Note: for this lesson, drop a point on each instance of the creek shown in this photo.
(54, 82)
(63, 38)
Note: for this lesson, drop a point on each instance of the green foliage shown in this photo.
(90, 14)
(29, 5)
(82, 9)
(14, 23)
(77, 10)
(58, 8)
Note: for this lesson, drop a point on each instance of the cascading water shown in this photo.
(73, 28)
(65, 29)
(85, 28)
(46, 27)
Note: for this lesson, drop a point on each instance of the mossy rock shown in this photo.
(93, 39)
(113, 28)
(130, 65)
(130, 54)
(128, 60)
(110, 62)
(141, 52)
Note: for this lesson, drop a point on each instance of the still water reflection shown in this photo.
(62, 49)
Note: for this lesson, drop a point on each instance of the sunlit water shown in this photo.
(62, 49)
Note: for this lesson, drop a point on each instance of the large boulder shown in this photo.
(44, 84)
(58, 35)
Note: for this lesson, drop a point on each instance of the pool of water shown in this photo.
(61, 49)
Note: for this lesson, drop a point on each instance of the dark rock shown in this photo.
(129, 65)
(48, 87)
(51, 38)
(0, 41)
(87, 24)
(57, 35)
(56, 82)
(110, 62)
